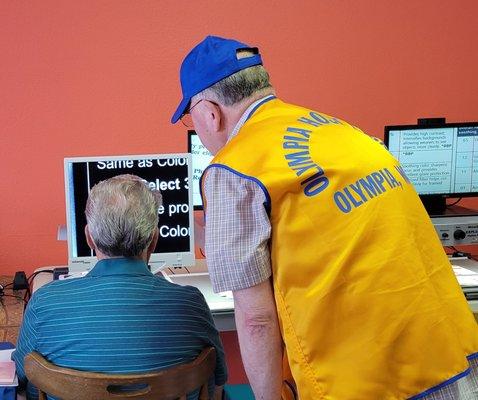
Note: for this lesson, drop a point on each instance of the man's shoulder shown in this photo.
(155, 288)
(54, 290)
(186, 291)
(59, 285)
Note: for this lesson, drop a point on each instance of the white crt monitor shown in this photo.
(170, 173)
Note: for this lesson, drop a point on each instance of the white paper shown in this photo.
(466, 277)
(6, 355)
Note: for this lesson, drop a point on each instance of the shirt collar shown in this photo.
(248, 113)
(120, 266)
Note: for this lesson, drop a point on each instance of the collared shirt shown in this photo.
(237, 237)
(238, 227)
(120, 318)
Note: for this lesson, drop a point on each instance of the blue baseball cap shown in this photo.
(212, 60)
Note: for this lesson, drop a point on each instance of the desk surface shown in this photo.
(11, 312)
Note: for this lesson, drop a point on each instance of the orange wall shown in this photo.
(95, 77)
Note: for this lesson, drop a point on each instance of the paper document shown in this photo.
(466, 277)
(8, 377)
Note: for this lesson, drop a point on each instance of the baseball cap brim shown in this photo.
(181, 109)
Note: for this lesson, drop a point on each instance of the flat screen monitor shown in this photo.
(441, 160)
(201, 158)
(170, 173)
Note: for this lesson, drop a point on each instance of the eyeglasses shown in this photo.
(186, 118)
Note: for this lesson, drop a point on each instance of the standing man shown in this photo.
(120, 318)
(325, 244)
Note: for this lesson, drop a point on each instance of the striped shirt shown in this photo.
(120, 318)
(237, 247)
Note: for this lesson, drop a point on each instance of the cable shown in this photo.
(29, 290)
(458, 253)
(27, 296)
(49, 271)
(452, 204)
(473, 257)
(7, 285)
(30, 277)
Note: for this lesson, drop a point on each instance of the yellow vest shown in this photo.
(368, 304)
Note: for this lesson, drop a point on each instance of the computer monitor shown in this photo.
(201, 158)
(441, 160)
(170, 173)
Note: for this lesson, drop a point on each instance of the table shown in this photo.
(11, 312)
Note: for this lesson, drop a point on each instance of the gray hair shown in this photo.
(122, 215)
(239, 86)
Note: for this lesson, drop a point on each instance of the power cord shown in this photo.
(458, 253)
(452, 204)
(28, 290)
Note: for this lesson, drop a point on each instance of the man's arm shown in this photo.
(260, 339)
(237, 247)
(199, 233)
(27, 338)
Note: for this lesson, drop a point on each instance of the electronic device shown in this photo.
(201, 158)
(170, 173)
(439, 158)
(456, 230)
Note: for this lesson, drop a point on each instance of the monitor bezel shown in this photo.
(386, 137)
(157, 260)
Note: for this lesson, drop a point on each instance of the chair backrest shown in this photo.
(168, 384)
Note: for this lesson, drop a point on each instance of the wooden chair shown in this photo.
(168, 384)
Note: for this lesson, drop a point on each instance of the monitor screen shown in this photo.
(200, 160)
(440, 160)
(170, 173)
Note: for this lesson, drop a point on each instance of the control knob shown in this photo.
(459, 234)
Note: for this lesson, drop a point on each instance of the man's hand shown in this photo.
(260, 339)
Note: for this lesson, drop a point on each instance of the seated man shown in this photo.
(119, 318)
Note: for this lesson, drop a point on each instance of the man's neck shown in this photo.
(235, 112)
(101, 256)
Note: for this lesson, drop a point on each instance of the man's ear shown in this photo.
(153, 243)
(214, 116)
(89, 239)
